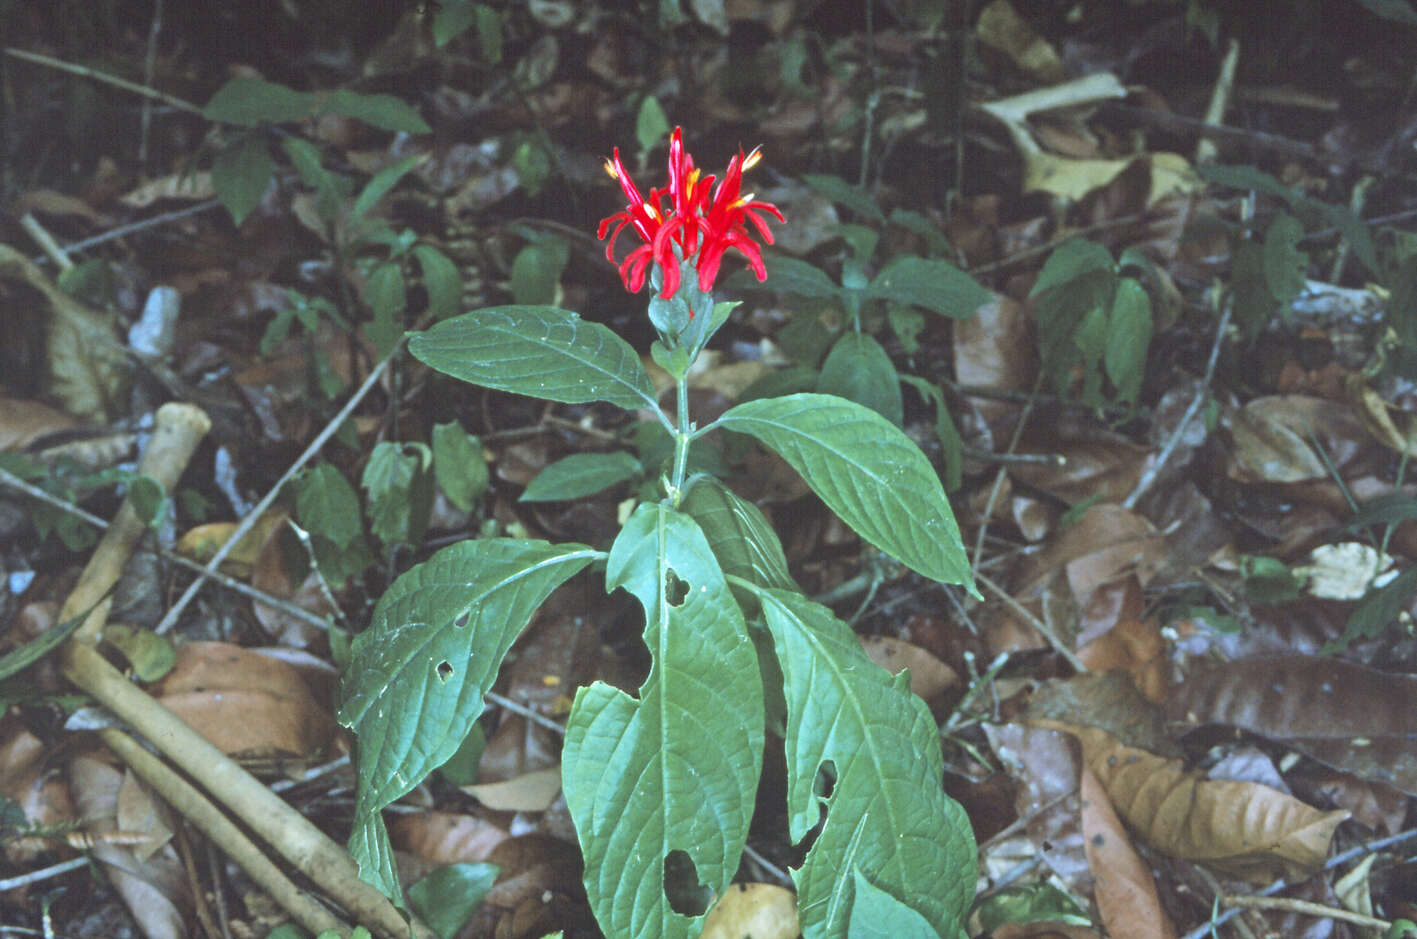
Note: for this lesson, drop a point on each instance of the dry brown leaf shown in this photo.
(1347, 716)
(24, 420)
(1046, 763)
(761, 911)
(87, 367)
(1124, 890)
(1267, 449)
(1001, 27)
(25, 780)
(244, 702)
(444, 837)
(203, 541)
(993, 349)
(928, 675)
(1246, 830)
(155, 888)
(1137, 648)
(189, 187)
(1107, 543)
(530, 792)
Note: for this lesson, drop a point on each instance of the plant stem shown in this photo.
(683, 434)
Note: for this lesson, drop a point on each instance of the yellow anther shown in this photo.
(751, 160)
(610, 170)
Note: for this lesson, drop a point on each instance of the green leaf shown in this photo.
(400, 492)
(241, 174)
(380, 183)
(306, 158)
(252, 101)
(581, 474)
(845, 194)
(385, 293)
(1285, 266)
(876, 914)
(951, 446)
(664, 784)
(382, 111)
(858, 369)
(920, 224)
(867, 471)
(1254, 306)
(1128, 338)
(461, 768)
(149, 500)
(451, 19)
(937, 286)
(489, 33)
(1248, 177)
(536, 271)
(1398, 11)
(1077, 279)
(459, 465)
(651, 125)
(441, 279)
(544, 352)
(907, 324)
(792, 276)
(417, 676)
(739, 535)
(327, 505)
(17, 660)
(887, 815)
(447, 897)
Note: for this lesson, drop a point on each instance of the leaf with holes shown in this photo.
(867, 471)
(661, 787)
(540, 351)
(887, 816)
(416, 677)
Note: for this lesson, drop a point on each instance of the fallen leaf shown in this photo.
(1124, 890)
(928, 675)
(760, 911)
(531, 792)
(1246, 830)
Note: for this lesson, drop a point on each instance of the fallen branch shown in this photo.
(179, 428)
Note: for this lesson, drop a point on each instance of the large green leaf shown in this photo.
(241, 174)
(581, 474)
(887, 816)
(669, 776)
(936, 285)
(739, 535)
(416, 677)
(867, 471)
(859, 370)
(540, 351)
(251, 101)
(382, 111)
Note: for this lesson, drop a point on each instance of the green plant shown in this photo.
(833, 340)
(365, 249)
(661, 785)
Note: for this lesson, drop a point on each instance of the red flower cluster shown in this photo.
(691, 221)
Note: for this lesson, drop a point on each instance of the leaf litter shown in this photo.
(1153, 587)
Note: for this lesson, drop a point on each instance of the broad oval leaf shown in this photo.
(887, 816)
(581, 474)
(441, 279)
(416, 677)
(251, 101)
(540, 351)
(867, 471)
(1128, 338)
(792, 276)
(674, 771)
(241, 174)
(858, 369)
(838, 190)
(382, 111)
(935, 285)
(740, 537)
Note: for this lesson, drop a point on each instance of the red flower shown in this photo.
(691, 222)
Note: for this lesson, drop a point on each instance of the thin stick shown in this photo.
(1154, 470)
(199, 810)
(1303, 907)
(105, 78)
(231, 583)
(169, 619)
(1033, 621)
(44, 873)
(999, 476)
